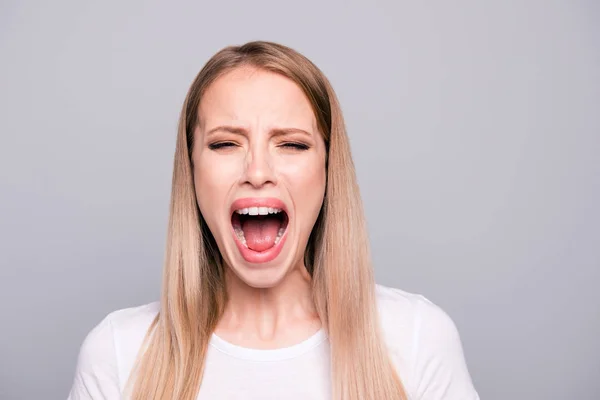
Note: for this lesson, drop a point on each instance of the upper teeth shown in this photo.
(258, 210)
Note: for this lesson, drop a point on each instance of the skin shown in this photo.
(257, 136)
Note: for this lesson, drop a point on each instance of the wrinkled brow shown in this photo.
(243, 131)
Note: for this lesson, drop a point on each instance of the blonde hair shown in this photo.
(171, 362)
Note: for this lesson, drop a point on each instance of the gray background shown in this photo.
(475, 128)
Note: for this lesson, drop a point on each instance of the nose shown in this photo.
(258, 170)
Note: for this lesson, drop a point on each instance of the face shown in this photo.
(259, 172)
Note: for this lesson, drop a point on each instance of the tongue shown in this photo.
(260, 232)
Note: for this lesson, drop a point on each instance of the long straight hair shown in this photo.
(170, 363)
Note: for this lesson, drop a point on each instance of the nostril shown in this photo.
(259, 172)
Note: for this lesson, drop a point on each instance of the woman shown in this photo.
(268, 287)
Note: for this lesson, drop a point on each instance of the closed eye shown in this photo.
(294, 146)
(221, 145)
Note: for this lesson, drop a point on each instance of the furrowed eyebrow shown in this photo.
(243, 131)
(287, 131)
(228, 128)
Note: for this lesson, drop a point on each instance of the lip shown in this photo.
(259, 257)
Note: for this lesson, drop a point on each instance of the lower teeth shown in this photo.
(279, 235)
(240, 234)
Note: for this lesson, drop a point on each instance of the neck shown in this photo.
(269, 317)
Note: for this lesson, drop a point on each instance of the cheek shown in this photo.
(306, 181)
(213, 179)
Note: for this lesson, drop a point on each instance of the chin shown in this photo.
(262, 274)
(260, 278)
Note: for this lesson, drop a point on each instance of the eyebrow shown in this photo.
(243, 131)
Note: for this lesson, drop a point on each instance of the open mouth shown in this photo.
(259, 228)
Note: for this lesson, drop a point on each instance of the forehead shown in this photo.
(254, 96)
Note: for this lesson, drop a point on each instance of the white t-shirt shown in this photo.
(422, 340)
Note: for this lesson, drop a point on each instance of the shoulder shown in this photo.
(424, 345)
(131, 324)
(124, 329)
(109, 350)
(398, 307)
(404, 316)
